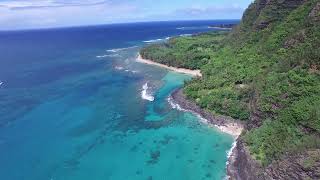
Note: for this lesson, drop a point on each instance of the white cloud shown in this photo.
(233, 11)
(25, 14)
(51, 14)
(23, 4)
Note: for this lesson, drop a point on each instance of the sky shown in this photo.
(33, 14)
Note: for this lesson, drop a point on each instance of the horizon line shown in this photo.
(106, 24)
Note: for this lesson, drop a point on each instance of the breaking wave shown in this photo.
(229, 154)
(175, 105)
(108, 55)
(193, 27)
(119, 68)
(153, 40)
(120, 49)
(185, 35)
(144, 93)
(178, 107)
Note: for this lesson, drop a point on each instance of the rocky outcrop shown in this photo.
(186, 104)
(281, 7)
(295, 40)
(261, 13)
(241, 165)
(315, 13)
(302, 166)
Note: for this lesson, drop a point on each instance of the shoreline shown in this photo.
(223, 123)
(194, 73)
(220, 28)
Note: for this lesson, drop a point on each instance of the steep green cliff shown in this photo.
(265, 72)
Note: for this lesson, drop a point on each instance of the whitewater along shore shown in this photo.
(194, 73)
(223, 123)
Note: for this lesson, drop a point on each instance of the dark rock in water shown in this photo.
(212, 161)
(190, 161)
(208, 175)
(166, 139)
(138, 172)
(134, 148)
(154, 157)
(149, 178)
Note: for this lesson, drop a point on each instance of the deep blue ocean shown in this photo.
(72, 108)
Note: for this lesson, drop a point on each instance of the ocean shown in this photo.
(75, 105)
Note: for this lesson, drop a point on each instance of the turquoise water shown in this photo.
(80, 116)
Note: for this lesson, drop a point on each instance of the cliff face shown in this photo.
(262, 14)
(242, 166)
(304, 165)
(272, 26)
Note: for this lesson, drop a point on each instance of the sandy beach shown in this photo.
(224, 124)
(233, 129)
(195, 73)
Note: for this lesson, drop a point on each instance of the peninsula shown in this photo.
(265, 74)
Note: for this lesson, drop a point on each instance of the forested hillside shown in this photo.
(266, 72)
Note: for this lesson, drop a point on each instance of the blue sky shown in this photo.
(26, 14)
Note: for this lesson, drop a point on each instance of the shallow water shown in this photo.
(70, 109)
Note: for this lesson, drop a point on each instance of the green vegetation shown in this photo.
(267, 69)
(184, 52)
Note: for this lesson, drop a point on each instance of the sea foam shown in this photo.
(185, 35)
(154, 40)
(229, 152)
(175, 105)
(119, 68)
(192, 27)
(120, 49)
(144, 93)
(178, 107)
(108, 55)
